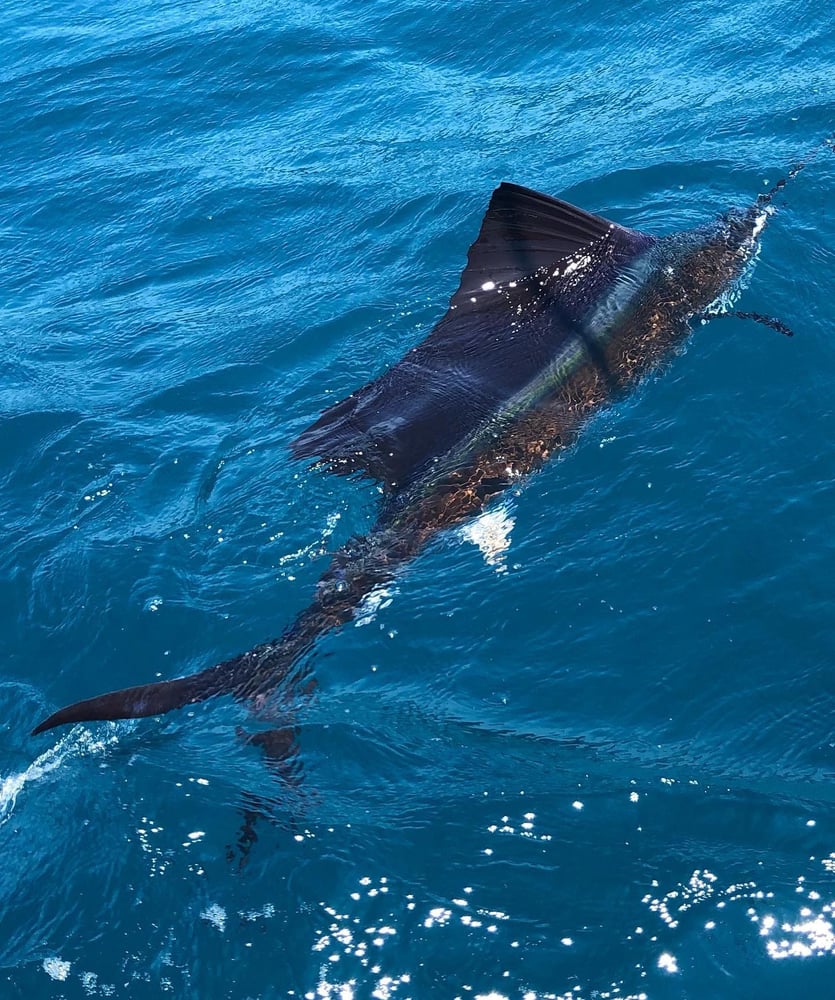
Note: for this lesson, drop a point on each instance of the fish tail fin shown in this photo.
(249, 676)
(254, 676)
(145, 699)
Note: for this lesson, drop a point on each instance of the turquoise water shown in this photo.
(597, 763)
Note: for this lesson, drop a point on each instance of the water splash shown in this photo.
(491, 533)
(77, 743)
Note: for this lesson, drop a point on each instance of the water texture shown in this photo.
(597, 762)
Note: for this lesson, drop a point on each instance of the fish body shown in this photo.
(558, 312)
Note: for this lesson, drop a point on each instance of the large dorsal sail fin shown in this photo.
(472, 361)
(522, 232)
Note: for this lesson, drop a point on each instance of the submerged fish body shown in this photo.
(558, 311)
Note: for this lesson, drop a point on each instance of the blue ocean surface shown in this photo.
(585, 746)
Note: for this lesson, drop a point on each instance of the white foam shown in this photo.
(376, 600)
(491, 533)
(216, 916)
(56, 968)
(77, 743)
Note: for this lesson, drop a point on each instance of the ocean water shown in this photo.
(594, 760)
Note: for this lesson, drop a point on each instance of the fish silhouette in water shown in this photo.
(558, 312)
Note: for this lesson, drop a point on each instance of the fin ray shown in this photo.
(522, 231)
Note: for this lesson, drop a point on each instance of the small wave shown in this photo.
(78, 743)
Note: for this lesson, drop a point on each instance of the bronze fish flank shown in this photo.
(558, 311)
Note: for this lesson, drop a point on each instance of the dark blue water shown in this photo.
(598, 762)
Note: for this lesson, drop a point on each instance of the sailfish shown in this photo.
(558, 312)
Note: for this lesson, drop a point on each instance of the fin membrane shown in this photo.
(523, 231)
(484, 349)
(142, 701)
